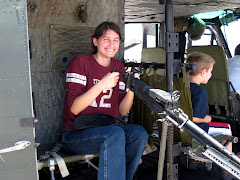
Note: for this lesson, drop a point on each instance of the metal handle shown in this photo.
(18, 146)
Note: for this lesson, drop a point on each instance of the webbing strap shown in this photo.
(61, 164)
(59, 160)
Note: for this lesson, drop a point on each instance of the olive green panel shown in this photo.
(185, 103)
(142, 115)
(217, 86)
(156, 55)
(15, 93)
(217, 92)
(182, 85)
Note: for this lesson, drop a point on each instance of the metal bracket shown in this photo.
(175, 171)
(51, 165)
(32, 7)
(28, 122)
(172, 42)
(82, 6)
(176, 149)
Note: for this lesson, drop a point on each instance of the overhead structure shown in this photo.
(154, 10)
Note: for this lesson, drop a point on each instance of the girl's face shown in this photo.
(107, 44)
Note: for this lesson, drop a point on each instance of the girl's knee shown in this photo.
(116, 133)
(140, 133)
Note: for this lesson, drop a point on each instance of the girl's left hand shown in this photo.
(136, 75)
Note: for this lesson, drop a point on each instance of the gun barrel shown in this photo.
(202, 136)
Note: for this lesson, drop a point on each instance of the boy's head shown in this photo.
(204, 66)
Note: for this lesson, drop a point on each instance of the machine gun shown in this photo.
(165, 105)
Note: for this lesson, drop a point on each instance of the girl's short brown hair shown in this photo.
(101, 29)
(203, 61)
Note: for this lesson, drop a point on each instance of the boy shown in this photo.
(199, 76)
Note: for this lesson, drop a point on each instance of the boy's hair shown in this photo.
(202, 60)
(101, 29)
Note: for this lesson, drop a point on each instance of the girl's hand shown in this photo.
(110, 80)
(136, 75)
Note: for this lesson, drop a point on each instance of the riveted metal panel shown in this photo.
(15, 93)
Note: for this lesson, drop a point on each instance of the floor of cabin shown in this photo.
(146, 171)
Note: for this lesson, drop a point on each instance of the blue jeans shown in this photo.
(120, 148)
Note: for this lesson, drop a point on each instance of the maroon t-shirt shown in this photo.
(83, 72)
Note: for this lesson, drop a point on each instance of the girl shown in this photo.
(89, 90)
